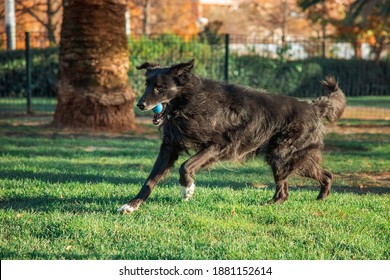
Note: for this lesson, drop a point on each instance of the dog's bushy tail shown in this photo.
(331, 107)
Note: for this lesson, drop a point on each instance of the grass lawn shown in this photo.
(370, 101)
(59, 193)
(18, 105)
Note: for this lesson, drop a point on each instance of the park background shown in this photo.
(62, 178)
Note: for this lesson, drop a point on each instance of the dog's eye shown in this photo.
(159, 89)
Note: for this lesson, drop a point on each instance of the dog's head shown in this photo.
(163, 84)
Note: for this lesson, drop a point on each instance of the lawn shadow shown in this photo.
(110, 204)
(75, 205)
(35, 255)
(83, 204)
(347, 189)
(365, 187)
(53, 178)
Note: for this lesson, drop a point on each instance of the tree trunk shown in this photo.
(358, 49)
(92, 88)
(378, 48)
(50, 27)
(147, 6)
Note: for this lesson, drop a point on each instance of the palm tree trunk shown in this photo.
(92, 88)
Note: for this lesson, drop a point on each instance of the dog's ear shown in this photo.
(182, 68)
(148, 66)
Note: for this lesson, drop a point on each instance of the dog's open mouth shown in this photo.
(158, 117)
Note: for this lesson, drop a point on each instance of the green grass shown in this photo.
(59, 194)
(370, 101)
(18, 105)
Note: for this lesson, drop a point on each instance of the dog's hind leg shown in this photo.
(326, 184)
(192, 165)
(322, 176)
(310, 168)
(165, 160)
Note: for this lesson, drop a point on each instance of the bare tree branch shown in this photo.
(43, 11)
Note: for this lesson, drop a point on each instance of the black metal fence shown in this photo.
(292, 67)
(27, 78)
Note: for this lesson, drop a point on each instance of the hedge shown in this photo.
(13, 73)
(297, 78)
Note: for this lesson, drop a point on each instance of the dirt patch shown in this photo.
(42, 125)
(381, 178)
(26, 120)
(96, 148)
(358, 129)
(363, 183)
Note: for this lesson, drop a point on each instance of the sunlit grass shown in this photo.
(59, 194)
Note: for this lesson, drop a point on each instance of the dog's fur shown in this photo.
(231, 122)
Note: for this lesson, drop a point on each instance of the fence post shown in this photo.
(323, 48)
(226, 73)
(28, 73)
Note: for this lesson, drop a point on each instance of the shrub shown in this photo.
(13, 72)
(297, 78)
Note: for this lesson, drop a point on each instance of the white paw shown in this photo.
(187, 193)
(126, 209)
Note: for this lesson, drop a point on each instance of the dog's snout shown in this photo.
(141, 105)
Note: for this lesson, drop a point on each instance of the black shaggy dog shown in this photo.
(231, 122)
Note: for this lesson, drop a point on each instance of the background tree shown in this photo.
(46, 12)
(92, 88)
(361, 9)
(261, 19)
(356, 21)
(164, 16)
(140, 11)
(372, 17)
(211, 32)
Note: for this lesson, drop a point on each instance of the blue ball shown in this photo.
(158, 108)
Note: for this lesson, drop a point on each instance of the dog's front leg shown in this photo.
(192, 165)
(165, 160)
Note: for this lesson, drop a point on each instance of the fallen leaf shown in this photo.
(317, 214)
(259, 186)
